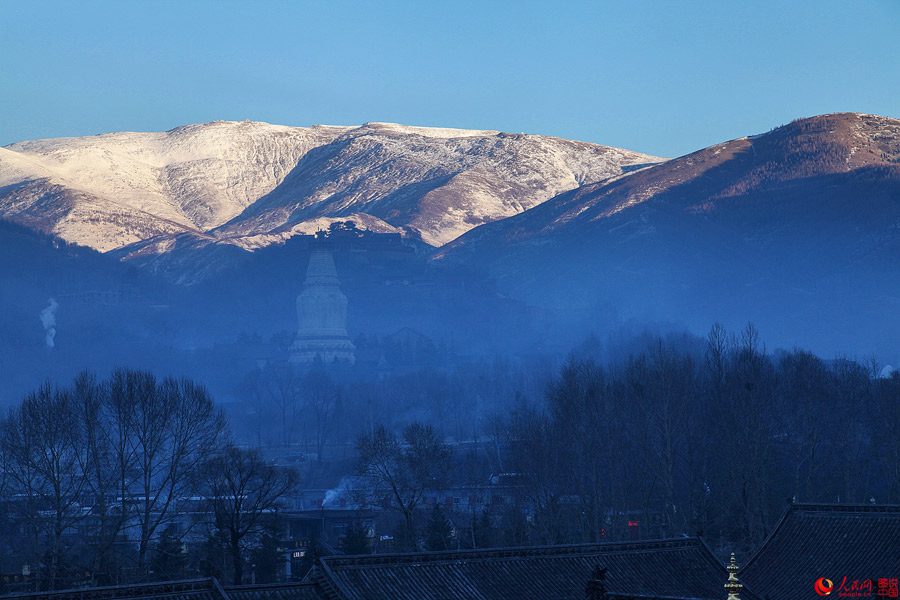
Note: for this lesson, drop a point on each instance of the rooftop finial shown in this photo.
(596, 588)
(733, 587)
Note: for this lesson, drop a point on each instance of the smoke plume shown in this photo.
(48, 319)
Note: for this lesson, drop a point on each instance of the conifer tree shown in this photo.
(354, 540)
(438, 532)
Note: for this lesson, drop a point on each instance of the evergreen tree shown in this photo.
(212, 560)
(482, 531)
(516, 532)
(438, 532)
(355, 540)
(268, 560)
(169, 560)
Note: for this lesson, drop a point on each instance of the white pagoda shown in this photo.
(322, 313)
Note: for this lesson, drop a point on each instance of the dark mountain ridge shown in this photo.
(788, 228)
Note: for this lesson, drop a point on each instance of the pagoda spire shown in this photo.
(734, 586)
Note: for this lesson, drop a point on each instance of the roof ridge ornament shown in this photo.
(734, 586)
(596, 588)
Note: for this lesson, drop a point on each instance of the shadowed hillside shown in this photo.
(789, 229)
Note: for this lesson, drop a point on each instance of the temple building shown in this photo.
(683, 568)
(816, 550)
(322, 314)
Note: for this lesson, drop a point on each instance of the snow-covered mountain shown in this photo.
(252, 184)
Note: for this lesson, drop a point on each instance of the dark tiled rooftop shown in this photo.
(825, 540)
(810, 541)
(680, 568)
(274, 591)
(192, 589)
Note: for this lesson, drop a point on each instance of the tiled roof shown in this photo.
(680, 568)
(273, 591)
(825, 540)
(192, 589)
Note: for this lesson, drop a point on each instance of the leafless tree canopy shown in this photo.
(121, 452)
(398, 469)
(242, 489)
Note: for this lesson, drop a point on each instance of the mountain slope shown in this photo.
(109, 190)
(786, 228)
(440, 183)
(252, 184)
(100, 310)
(710, 181)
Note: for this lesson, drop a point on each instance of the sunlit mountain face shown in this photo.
(254, 184)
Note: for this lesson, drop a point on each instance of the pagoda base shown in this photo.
(305, 352)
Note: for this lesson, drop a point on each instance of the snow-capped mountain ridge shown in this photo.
(233, 180)
(195, 176)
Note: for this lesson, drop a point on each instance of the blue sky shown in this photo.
(662, 77)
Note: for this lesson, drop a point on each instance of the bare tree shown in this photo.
(539, 458)
(803, 392)
(746, 414)
(176, 428)
(118, 453)
(401, 469)
(887, 399)
(47, 463)
(242, 489)
(283, 388)
(5, 466)
(252, 390)
(853, 446)
(667, 415)
(98, 430)
(322, 397)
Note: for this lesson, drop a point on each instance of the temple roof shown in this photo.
(679, 568)
(825, 540)
(273, 591)
(190, 589)
(811, 541)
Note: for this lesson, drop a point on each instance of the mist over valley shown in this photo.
(203, 234)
